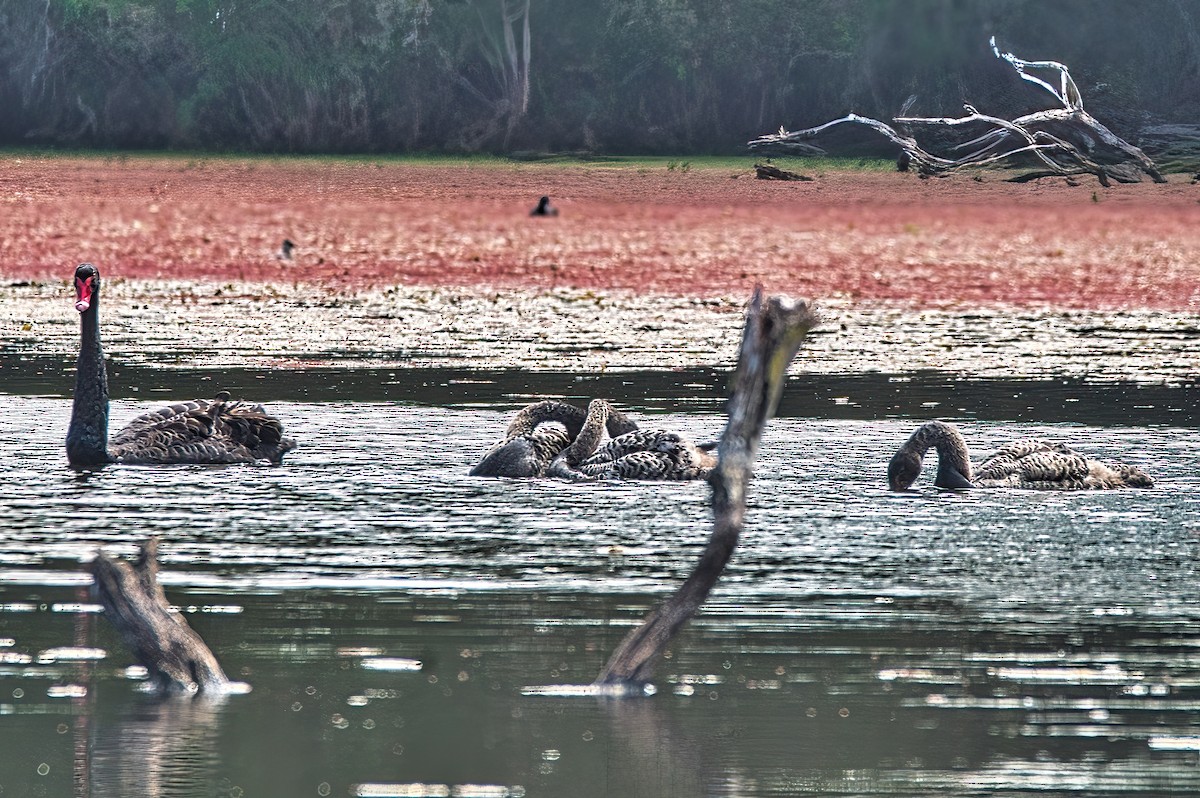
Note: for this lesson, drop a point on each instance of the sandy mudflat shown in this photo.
(644, 268)
(210, 325)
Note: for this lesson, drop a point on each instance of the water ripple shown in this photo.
(861, 642)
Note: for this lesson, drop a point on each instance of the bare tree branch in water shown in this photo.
(161, 641)
(1065, 140)
(775, 328)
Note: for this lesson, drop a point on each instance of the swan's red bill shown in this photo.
(83, 294)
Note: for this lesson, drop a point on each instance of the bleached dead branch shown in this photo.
(1065, 141)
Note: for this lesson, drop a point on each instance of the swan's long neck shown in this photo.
(87, 437)
(524, 422)
(954, 462)
(586, 441)
(539, 412)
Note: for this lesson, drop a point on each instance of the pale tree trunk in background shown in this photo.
(508, 99)
(517, 74)
(27, 40)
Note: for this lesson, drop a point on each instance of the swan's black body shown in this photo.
(214, 430)
(1034, 464)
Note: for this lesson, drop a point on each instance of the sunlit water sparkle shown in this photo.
(388, 611)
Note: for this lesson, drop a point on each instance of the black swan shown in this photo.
(640, 454)
(214, 430)
(774, 330)
(1036, 464)
(544, 208)
(532, 442)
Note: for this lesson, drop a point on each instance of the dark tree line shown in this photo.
(681, 76)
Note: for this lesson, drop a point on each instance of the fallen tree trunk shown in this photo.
(161, 641)
(1064, 141)
(764, 171)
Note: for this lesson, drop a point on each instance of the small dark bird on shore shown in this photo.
(544, 208)
(285, 250)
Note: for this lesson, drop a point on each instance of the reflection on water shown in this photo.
(863, 643)
(145, 746)
(839, 394)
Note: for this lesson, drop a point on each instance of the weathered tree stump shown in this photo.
(161, 641)
(767, 172)
(775, 328)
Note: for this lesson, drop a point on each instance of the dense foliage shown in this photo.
(603, 75)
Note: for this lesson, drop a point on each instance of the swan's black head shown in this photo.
(903, 470)
(87, 286)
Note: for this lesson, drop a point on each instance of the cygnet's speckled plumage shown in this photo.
(641, 454)
(538, 434)
(1033, 464)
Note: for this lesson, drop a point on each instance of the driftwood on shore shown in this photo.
(161, 641)
(774, 330)
(765, 171)
(1065, 140)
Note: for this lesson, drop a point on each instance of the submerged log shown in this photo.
(775, 328)
(161, 641)
(1066, 140)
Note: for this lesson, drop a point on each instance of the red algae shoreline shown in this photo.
(869, 236)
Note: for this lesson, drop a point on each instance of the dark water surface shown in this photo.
(388, 611)
(842, 394)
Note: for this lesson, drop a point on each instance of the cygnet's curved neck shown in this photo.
(530, 416)
(566, 464)
(954, 462)
(588, 439)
